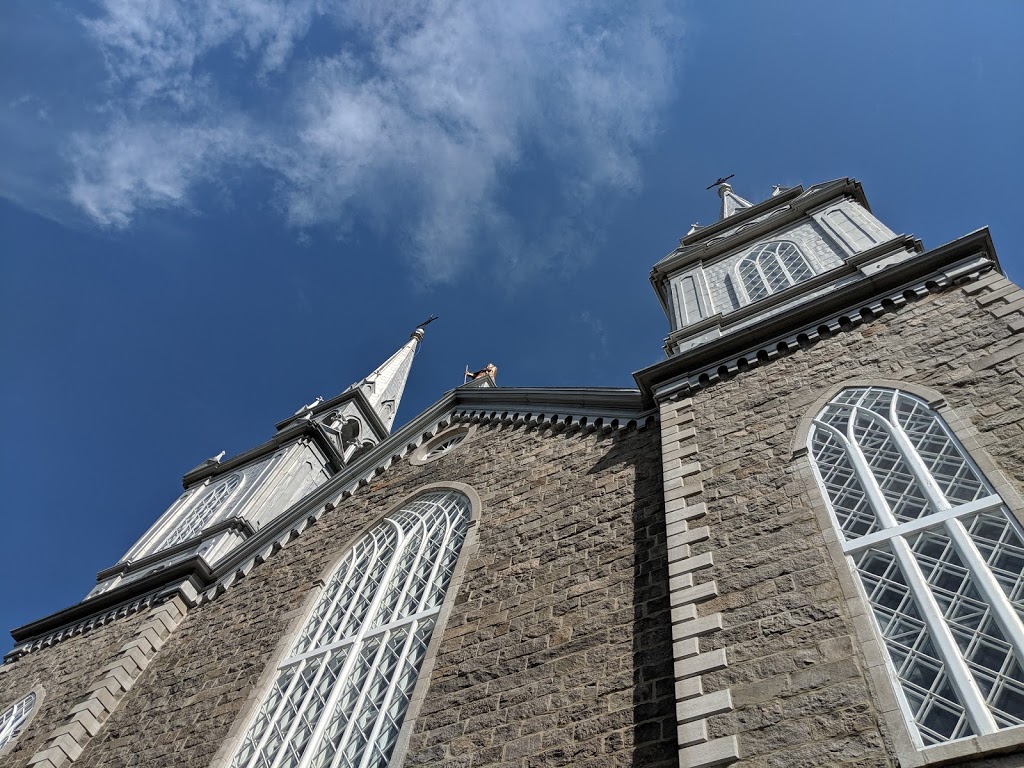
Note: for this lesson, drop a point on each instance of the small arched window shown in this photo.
(939, 555)
(342, 693)
(13, 718)
(202, 512)
(770, 267)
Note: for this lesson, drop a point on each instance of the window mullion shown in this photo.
(338, 592)
(449, 528)
(347, 734)
(410, 576)
(262, 743)
(389, 694)
(310, 691)
(974, 703)
(1006, 615)
(867, 478)
(924, 476)
(353, 654)
(763, 275)
(741, 282)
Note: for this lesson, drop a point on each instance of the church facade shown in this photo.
(797, 542)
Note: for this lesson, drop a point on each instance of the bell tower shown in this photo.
(763, 261)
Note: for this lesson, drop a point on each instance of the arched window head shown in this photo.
(13, 718)
(341, 695)
(938, 553)
(202, 512)
(770, 267)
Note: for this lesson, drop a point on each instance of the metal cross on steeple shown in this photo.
(721, 181)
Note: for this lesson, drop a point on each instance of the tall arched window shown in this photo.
(770, 267)
(202, 512)
(14, 718)
(341, 695)
(938, 553)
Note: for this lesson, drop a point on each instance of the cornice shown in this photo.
(237, 524)
(349, 394)
(588, 409)
(741, 216)
(181, 578)
(708, 244)
(834, 312)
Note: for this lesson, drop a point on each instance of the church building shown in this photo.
(796, 542)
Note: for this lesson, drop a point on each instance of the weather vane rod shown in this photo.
(427, 322)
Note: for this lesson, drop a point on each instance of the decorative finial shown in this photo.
(310, 406)
(419, 333)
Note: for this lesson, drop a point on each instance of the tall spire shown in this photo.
(384, 387)
(731, 202)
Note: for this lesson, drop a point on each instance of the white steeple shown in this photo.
(384, 387)
(731, 202)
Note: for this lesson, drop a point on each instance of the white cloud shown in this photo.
(417, 116)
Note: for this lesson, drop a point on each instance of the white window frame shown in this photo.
(337, 631)
(940, 515)
(209, 504)
(755, 258)
(14, 719)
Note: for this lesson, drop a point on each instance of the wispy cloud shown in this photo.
(416, 116)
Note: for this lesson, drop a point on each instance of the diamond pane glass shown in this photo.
(945, 461)
(202, 512)
(895, 473)
(340, 697)
(989, 656)
(937, 710)
(999, 541)
(842, 485)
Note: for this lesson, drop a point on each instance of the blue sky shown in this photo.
(213, 212)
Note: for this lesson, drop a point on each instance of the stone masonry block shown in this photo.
(697, 594)
(714, 752)
(48, 758)
(685, 689)
(681, 535)
(684, 649)
(683, 613)
(691, 564)
(702, 663)
(1009, 308)
(90, 705)
(996, 293)
(691, 733)
(984, 284)
(67, 744)
(703, 625)
(700, 707)
(89, 722)
(675, 512)
(999, 357)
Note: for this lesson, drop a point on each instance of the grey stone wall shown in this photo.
(557, 650)
(65, 671)
(801, 694)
